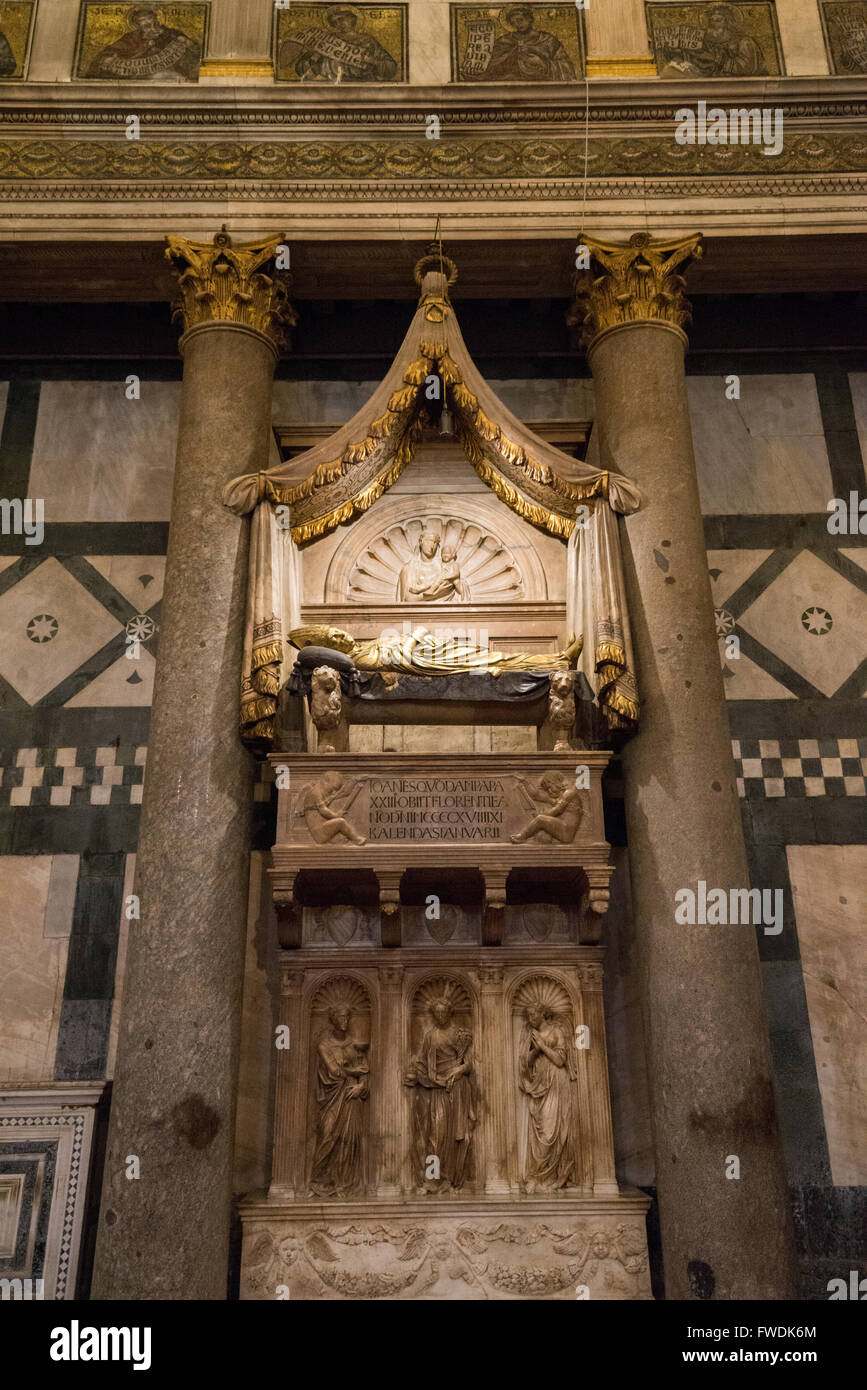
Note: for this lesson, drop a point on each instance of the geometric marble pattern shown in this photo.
(68, 625)
(139, 578)
(114, 776)
(45, 1142)
(72, 776)
(798, 767)
(35, 661)
(814, 620)
(128, 682)
(729, 569)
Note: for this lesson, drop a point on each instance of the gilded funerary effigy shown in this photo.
(442, 1123)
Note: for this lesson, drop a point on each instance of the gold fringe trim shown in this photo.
(322, 524)
(620, 704)
(609, 652)
(267, 654)
(514, 453)
(536, 515)
(380, 429)
(265, 707)
(266, 681)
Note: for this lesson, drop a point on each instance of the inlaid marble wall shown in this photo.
(74, 713)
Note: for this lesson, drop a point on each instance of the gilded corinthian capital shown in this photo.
(219, 283)
(637, 283)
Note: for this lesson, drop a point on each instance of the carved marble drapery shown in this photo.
(345, 475)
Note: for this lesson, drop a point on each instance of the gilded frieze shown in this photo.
(845, 26)
(141, 43)
(341, 43)
(700, 39)
(405, 160)
(517, 43)
(16, 28)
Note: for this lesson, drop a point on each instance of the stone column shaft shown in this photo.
(166, 1234)
(708, 1056)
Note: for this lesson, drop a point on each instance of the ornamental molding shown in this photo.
(655, 99)
(399, 161)
(249, 191)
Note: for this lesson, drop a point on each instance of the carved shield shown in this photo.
(443, 928)
(539, 919)
(342, 923)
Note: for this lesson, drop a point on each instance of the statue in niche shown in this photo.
(445, 1103)
(342, 1073)
(324, 815)
(563, 816)
(546, 1076)
(429, 578)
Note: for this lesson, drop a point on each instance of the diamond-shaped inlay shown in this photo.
(810, 587)
(49, 594)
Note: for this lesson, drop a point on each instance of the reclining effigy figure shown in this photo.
(421, 651)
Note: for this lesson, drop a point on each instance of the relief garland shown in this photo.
(405, 160)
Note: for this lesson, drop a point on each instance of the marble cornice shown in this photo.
(650, 101)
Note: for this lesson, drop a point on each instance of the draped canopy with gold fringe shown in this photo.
(341, 477)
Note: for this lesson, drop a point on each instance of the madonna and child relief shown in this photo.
(433, 574)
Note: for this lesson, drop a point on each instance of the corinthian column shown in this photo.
(709, 1065)
(165, 1233)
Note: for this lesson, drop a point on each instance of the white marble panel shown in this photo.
(763, 453)
(53, 41)
(126, 682)
(744, 680)
(729, 569)
(828, 893)
(99, 457)
(429, 42)
(32, 971)
(858, 388)
(801, 37)
(138, 577)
